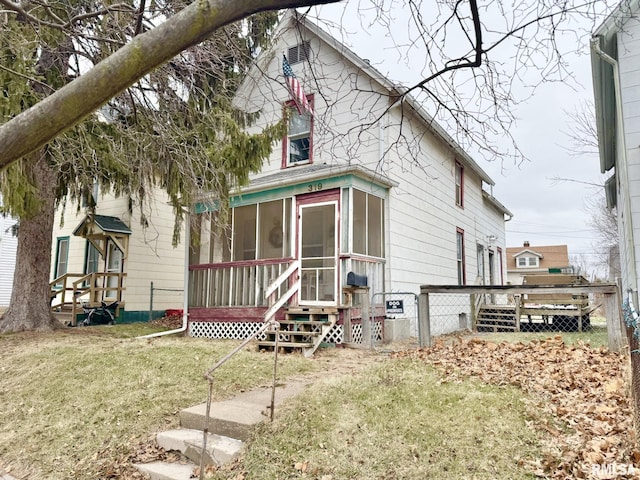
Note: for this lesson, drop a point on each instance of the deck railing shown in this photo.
(72, 290)
(235, 284)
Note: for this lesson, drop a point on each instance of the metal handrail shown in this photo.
(269, 322)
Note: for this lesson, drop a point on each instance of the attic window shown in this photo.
(299, 53)
(524, 262)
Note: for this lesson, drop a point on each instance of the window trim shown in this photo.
(290, 104)
(480, 258)
(56, 271)
(528, 261)
(459, 186)
(460, 257)
(499, 253)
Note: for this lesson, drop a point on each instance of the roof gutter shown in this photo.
(621, 150)
(185, 303)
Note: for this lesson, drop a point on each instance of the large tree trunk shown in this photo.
(30, 299)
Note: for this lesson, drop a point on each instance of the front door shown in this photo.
(318, 252)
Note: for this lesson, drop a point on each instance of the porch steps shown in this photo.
(230, 424)
(304, 328)
(496, 318)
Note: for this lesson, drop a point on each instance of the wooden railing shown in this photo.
(73, 290)
(291, 278)
(373, 268)
(235, 284)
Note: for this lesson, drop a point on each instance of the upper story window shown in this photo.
(298, 143)
(299, 53)
(459, 184)
(528, 262)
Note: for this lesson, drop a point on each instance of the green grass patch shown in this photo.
(396, 420)
(72, 398)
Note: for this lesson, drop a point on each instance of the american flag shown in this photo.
(295, 88)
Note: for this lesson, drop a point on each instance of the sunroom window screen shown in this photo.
(368, 221)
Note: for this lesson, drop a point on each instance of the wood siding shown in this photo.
(629, 64)
(8, 246)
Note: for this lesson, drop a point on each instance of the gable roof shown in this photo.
(103, 223)
(293, 19)
(529, 252)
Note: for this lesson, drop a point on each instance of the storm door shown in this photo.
(114, 265)
(318, 253)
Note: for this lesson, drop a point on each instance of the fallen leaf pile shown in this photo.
(578, 398)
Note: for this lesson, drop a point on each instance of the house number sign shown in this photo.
(314, 187)
(394, 306)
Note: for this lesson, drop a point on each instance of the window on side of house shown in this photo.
(500, 265)
(460, 256)
(62, 256)
(91, 258)
(368, 224)
(459, 184)
(298, 143)
(481, 272)
(528, 262)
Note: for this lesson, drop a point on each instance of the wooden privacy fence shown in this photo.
(448, 308)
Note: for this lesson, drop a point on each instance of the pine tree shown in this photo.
(175, 130)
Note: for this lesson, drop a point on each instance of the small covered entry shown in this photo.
(103, 284)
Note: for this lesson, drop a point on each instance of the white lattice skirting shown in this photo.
(242, 330)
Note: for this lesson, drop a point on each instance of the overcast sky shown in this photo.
(546, 212)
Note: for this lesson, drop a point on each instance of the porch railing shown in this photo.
(373, 268)
(71, 290)
(236, 284)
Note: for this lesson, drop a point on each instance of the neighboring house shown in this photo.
(8, 246)
(400, 203)
(536, 260)
(110, 257)
(615, 60)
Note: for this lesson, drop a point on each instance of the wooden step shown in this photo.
(302, 322)
(314, 310)
(265, 343)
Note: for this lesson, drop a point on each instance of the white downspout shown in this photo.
(185, 303)
(595, 44)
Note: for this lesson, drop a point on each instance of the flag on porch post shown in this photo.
(295, 88)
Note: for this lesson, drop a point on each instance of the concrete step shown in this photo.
(220, 449)
(167, 471)
(235, 418)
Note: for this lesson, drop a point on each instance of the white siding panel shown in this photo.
(629, 62)
(8, 246)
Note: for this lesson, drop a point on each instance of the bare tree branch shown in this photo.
(60, 111)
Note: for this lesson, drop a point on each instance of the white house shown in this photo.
(615, 59)
(361, 183)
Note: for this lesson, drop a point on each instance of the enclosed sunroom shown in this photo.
(304, 228)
